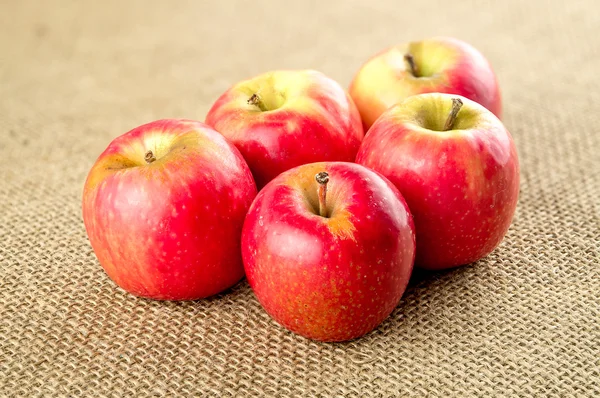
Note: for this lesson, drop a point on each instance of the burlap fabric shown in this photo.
(73, 75)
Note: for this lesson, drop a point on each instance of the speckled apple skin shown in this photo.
(456, 66)
(461, 186)
(336, 278)
(170, 229)
(317, 121)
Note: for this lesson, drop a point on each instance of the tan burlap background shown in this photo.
(73, 75)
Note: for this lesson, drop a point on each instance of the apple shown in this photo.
(457, 167)
(164, 206)
(283, 119)
(328, 249)
(440, 64)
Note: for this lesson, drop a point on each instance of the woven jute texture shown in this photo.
(523, 322)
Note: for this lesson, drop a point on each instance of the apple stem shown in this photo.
(412, 66)
(255, 100)
(456, 105)
(149, 157)
(322, 179)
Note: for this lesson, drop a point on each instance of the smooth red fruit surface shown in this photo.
(164, 206)
(461, 185)
(284, 119)
(441, 64)
(329, 278)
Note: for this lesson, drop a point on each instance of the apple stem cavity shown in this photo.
(412, 66)
(456, 105)
(149, 157)
(322, 179)
(256, 101)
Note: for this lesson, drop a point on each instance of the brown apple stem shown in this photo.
(412, 66)
(255, 100)
(149, 157)
(322, 179)
(456, 105)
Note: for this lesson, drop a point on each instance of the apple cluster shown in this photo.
(324, 199)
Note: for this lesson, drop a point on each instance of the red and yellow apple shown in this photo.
(440, 64)
(164, 206)
(457, 167)
(328, 249)
(284, 119)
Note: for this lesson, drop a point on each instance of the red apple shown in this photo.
(329, 259)
(441, 64)
(457, 167)
(283, 119)
(164, 206)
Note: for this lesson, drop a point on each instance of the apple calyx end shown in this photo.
(456, 106)
(322, 179)
(412, 65)
(149, 157)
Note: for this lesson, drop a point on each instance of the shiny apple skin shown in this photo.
(336, 278)
(453, 66)
(314, 120)
(169, 229)
(460, 185)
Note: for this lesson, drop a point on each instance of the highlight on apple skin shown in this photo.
(328, 249)
(164, 206)
(440, 64)
(457, 167)
(283, 119)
